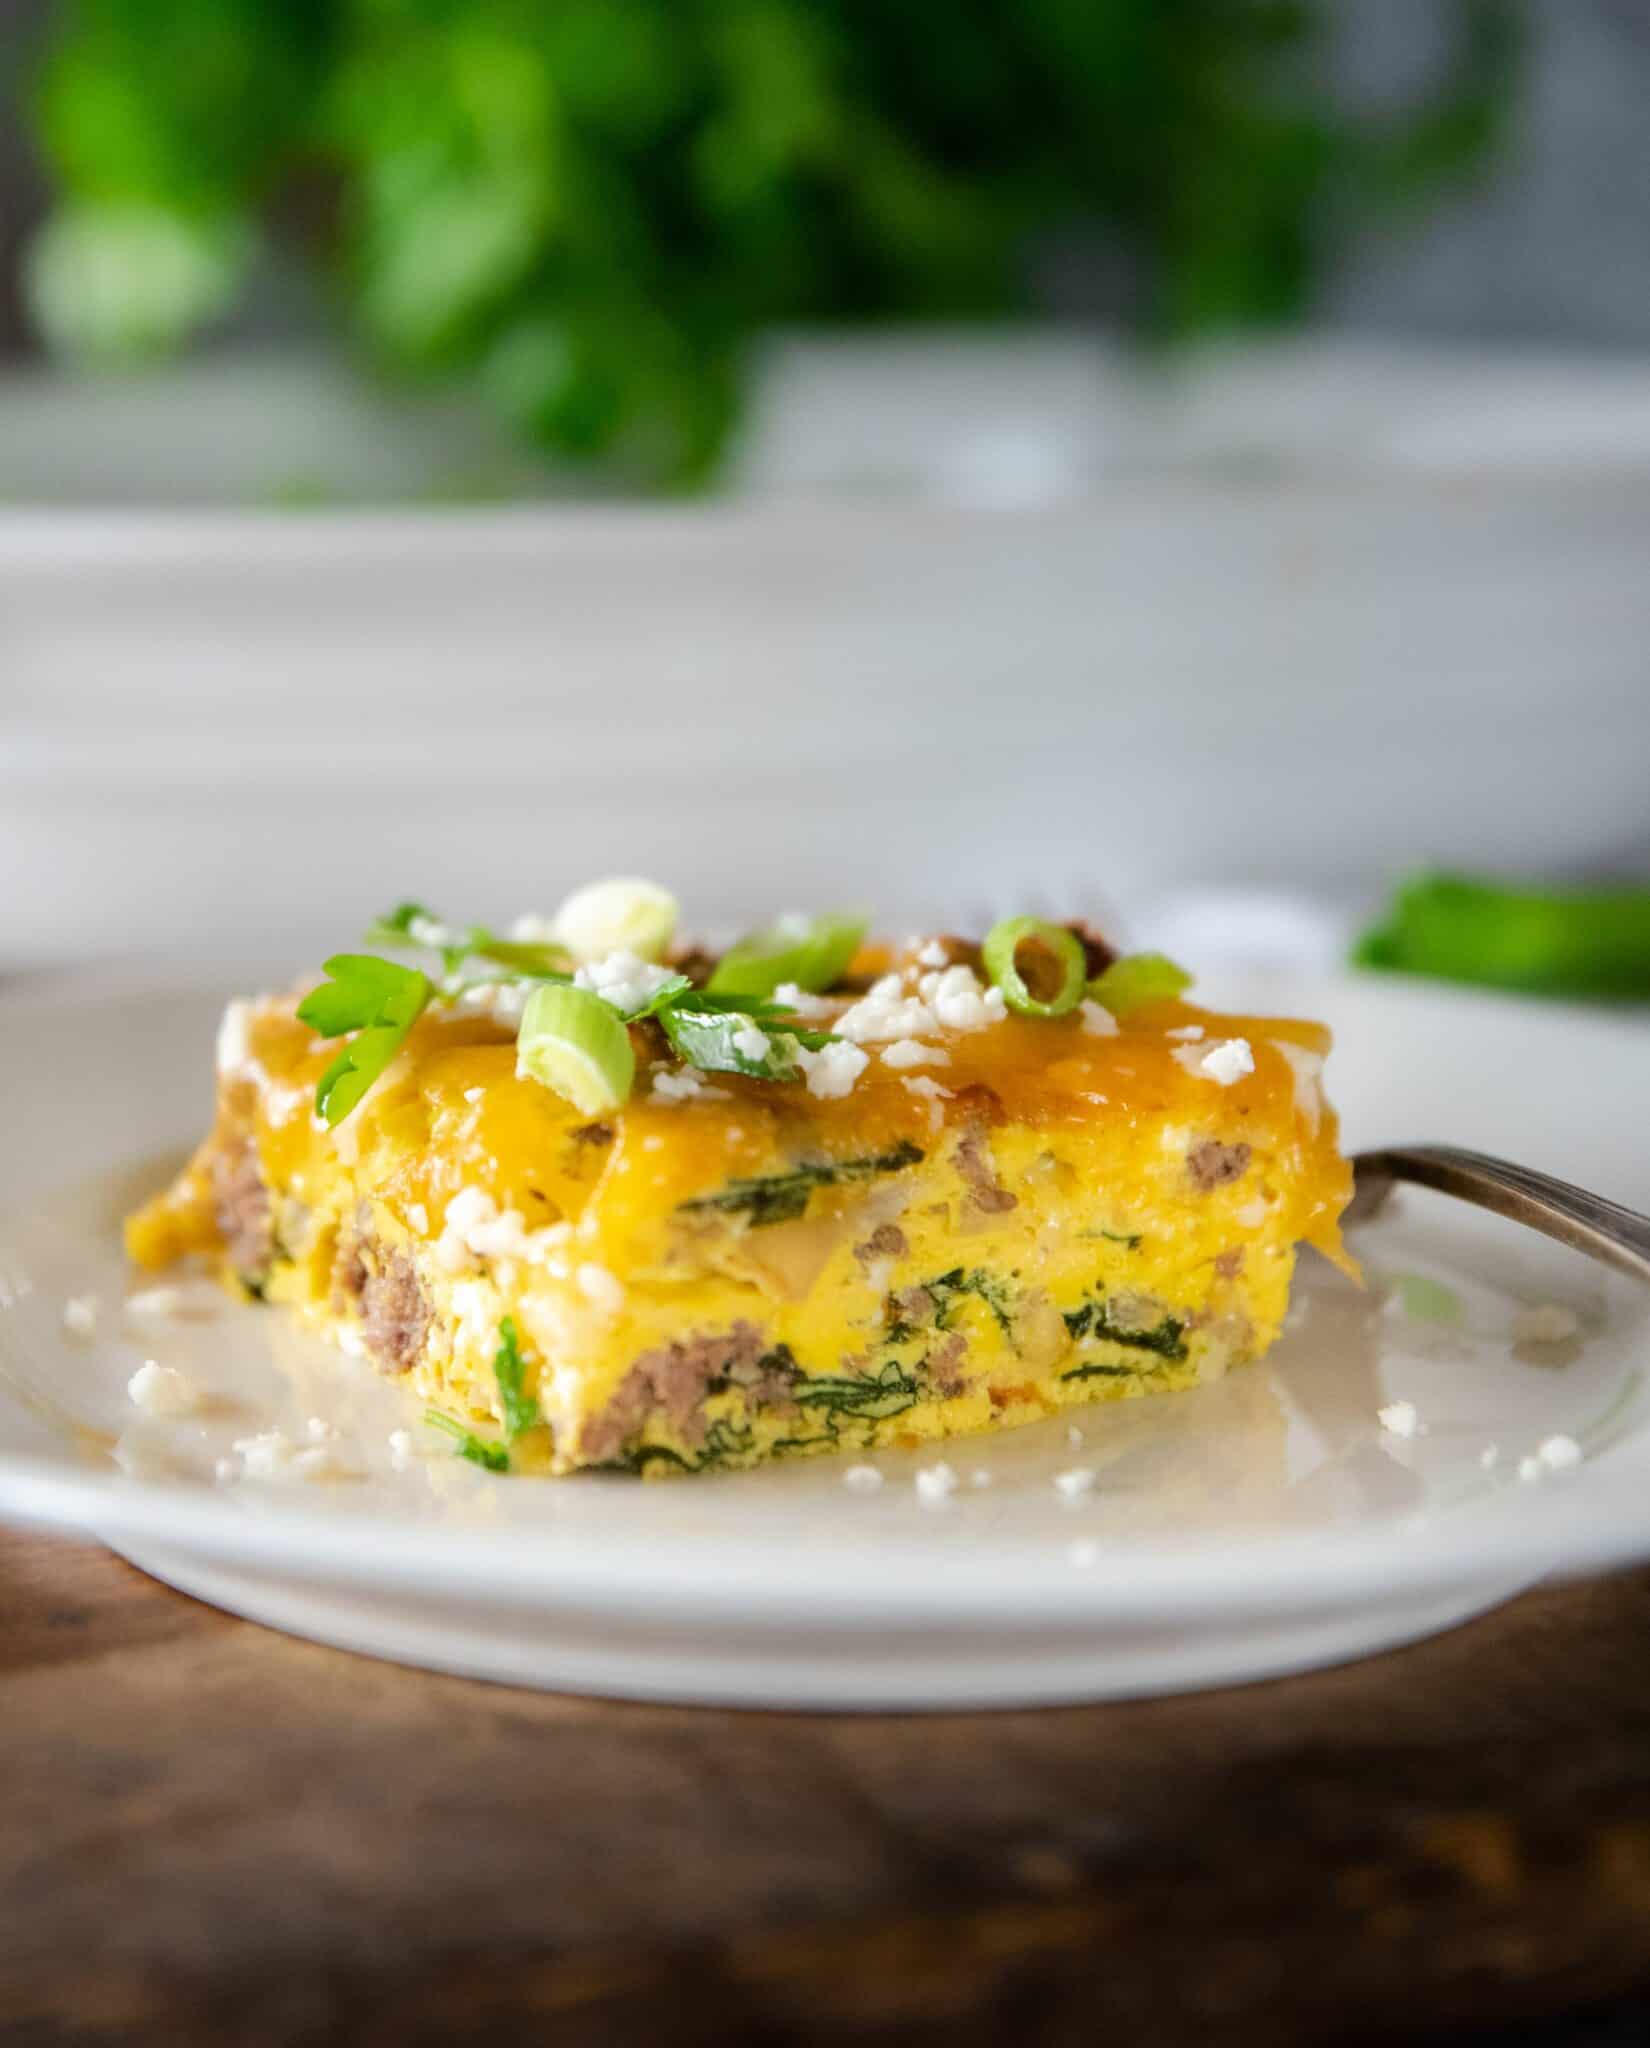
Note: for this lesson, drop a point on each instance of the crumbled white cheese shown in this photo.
(154, 1302)
(885, 1011)
(862, 1479)
(1076, 1484)
(1307, 1068)
(474, 1094)
(924, 1084)
(80, 1315)
(1083, 1553)
(833, 1070)
(475, 1227)
(799, 1002)
(933, 954)
(419, 1217)
(1401, 1418)
(599, 1287)
(910, 1052)
(1226, 1062)
(960, 1000)
(751, 1043)
(624, 980)
(163, 1390)
(264, 1455)
(1559, 1453)
(235, 1037)
(684, 1084)
(1548, 1323)
(935, 1484)
(1252, 1214)
(1190, 1032)
(1098, 1021)
(1489, 1457)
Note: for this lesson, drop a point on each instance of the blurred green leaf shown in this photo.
(589, 206)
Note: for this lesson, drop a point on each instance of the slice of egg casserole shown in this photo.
(599, 1200)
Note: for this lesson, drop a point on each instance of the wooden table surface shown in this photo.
(211, 1833)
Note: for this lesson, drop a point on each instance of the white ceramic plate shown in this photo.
(1260, 1526)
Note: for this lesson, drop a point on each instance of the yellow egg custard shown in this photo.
(599, 1201)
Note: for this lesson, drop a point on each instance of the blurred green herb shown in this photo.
(589, 206)
(1572, 942)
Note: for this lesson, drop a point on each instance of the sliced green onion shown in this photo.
(1572, 942)
(577, 1046)
(1138, 979)
(625, 915)
(725, 1042)
(810, 953)
(1038, 966)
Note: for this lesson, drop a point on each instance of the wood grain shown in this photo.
(215, 1834)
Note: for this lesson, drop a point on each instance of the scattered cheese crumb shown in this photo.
(625, 980)
(862, 1479)
(419, 1217)
(1226, 1062)
(475, 1227)
(751, 1043)
(885, 1011)
(1559, 1453)
(1190, 1032)
(1401, 1418)
(933, 954)
(923, 1084)
(685, 1084)
(1489, 1457)
(599, 1287)
(163, 1390)
(1075, 1484)
(961, 1001)
(158, 1302)
(911, 1052)
(935, 1484)
(1097, 1019)
(80, 1314)
(1548, 1323)
(833, 1070)
(474, 1094)
(264, 1455)
(1083, 1553)
(799, 1002)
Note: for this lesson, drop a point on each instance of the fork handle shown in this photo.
(1604, 1230)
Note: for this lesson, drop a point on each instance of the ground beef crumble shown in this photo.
(245, 1216)
(1212, 1164)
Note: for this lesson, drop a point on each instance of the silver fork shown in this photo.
(1603, 1229)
